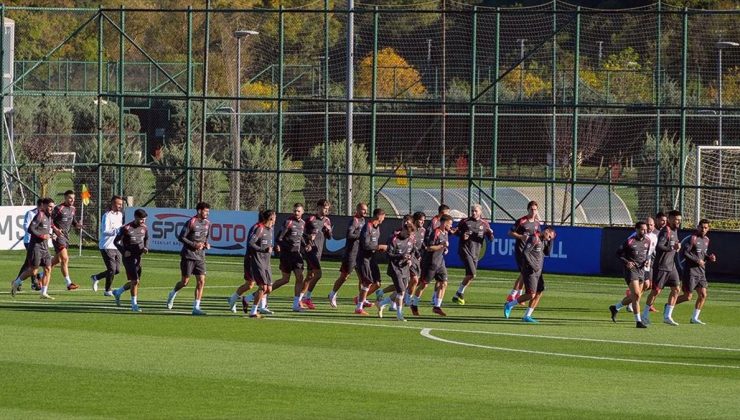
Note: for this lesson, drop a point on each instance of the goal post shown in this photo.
(717, 182)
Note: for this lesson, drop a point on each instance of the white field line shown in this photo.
(426, 332)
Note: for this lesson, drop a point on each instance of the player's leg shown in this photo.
(259, 294)
(298, 290)
(200, 278)
(701, 298)
(343, 275)
(471, 266)
(186, 270)
(440, 287)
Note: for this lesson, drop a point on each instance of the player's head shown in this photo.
(298, 210)
(660, 220)
(379, 215)
(38, 202)
(548, 234)
(702, 228)
(476, 211)
(322, 207)
(419, 218)
(203, 209)
(47, 205)
(361, 209)
(641, 229)
(140, 217)
(69, 197)
(532, 208)
(268, 217)
(650, 222)
(445, 222)
(116, 203)
(407, 219)
(674, 219)
(443, 209)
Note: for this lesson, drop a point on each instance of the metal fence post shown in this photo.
(99, 110)
(658, 100)
(554, 123)
(121, 131)
(326, 101)
(494, 151)
(374, 111)
(188, 112)
(574, 142)
(473, 94)
(684, 67)
(281, 65)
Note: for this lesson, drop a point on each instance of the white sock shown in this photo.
(332, 294)
(513, 292)
(173, 294)
(253, 311)
(438, 304)
(196, 304)
(399, 309)
(528, 312)
(44, 289)
(300, 297)
(133, 300)
(461, 289)
(668, 311)
(637, 317)
(308, 295)
(696, 313)
(67, 280)
(619, 305)
(434, 299)
(263, 302)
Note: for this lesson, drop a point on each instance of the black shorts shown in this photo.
(648, 275)
(132, 265)
(347, 266)
(665, 279)
(261, 276)
(60, 243)
(533, 281)
(691, 283)
(192, 267)
(415, 268)
(313, 260)
(432, 272)
(470, 263)
(37, 255)
(368, 272)
(290, 261)
(634, 274)
(112, 260)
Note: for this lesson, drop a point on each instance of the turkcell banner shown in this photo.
(228, 228)
(11, 227)
(576, 250)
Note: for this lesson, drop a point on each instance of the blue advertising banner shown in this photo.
(576, 250)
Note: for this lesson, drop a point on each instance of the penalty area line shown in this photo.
(427, 333)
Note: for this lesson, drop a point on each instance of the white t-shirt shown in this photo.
(109, 226)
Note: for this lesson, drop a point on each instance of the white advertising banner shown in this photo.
(11, 227)
(228, 228)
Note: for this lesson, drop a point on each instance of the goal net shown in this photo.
(716, 174)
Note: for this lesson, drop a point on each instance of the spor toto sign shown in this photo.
(228, 228)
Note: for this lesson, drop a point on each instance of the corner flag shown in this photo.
(85, 195)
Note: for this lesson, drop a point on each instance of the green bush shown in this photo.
(259, 189)
(315, 188)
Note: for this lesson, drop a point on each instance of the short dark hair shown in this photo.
(46, 201)
(140, 214)
(704, 222)
(116, 197)
(296, 205)
(202, 206)
(640, 224)
(674, 213)
(266, 215)
(532, 203)
(659, 214)
(419, 215)
(442, 207)
(323, 202)
(69, 192)
(444, 218)
(378, 212)
(406, 218)
(39, 201)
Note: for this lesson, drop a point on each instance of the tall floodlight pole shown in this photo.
(720, 46)
(236, 186)
(350, 104)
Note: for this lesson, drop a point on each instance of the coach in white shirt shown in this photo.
(109, 226)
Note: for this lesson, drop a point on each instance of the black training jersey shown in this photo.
(476, 230)
(290, 237)
(696, 250)
(39, 229)
(63, 217)
(524, 226)
(664, 252)
(132, 238)
(635, 250)
(194, 232)
(369, 241)
(318, 230)
(400, 249)
(259, 244)
(352, 246)
(535, 250)
(435, 258)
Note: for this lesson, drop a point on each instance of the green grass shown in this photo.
(80, 356)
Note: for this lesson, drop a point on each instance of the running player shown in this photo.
(391, 288)
(63, 219)
(367, 268)
(132, 242)
(434, 223)
(536, 247)
(290, 244)
(109, 226)
(415, 268)
(194, 238)
(523, 228)
(27, 219)
(37, 254)
(318, 230)
(400, 250)
(696, 254)
(635, 255)
(433, 265)
(666, 268)
(351, 247)
(472, 232)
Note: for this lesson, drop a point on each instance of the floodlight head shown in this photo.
(242, 33)
(727, 44)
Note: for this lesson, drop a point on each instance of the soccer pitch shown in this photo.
(80, 356)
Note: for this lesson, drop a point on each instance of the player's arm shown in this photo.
(328, 231)
(488, 230)
(690, 253)
(118, 241)
(254, 241)
(354, 229)
(663, 244)
(183, 236)
(146, 241)
(622, 254)
(36, 229)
